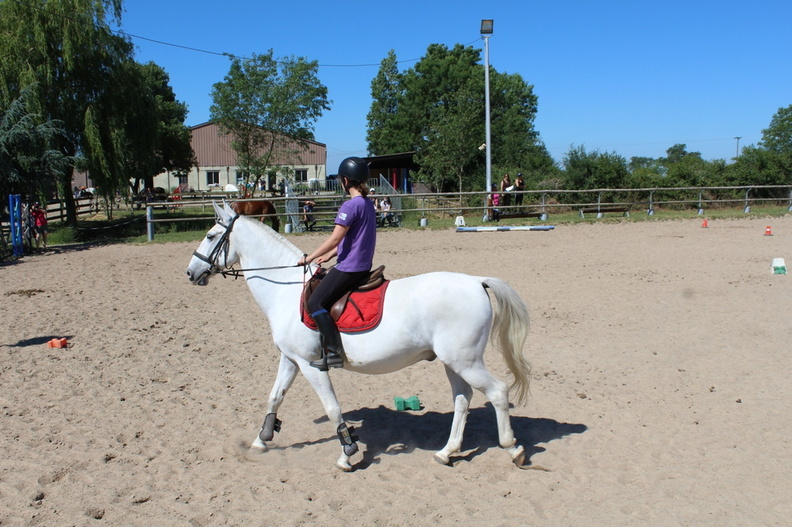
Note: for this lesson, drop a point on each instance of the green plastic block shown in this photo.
(400, 403)
(411, 403)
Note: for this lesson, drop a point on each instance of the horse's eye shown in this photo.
(210, 237)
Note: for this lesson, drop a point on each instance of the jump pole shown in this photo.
(15, 223)
(505, 228)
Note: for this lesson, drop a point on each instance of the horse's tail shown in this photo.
(510, 326)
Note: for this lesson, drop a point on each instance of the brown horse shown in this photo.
(265, 210)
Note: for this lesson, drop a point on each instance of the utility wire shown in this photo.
(234, 56)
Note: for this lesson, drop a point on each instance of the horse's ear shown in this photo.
(220, 214)
(231, 213)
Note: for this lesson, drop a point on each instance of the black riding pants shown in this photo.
(332, 287)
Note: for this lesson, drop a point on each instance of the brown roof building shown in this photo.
(217, 165)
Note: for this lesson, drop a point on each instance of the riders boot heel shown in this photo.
(333, 350)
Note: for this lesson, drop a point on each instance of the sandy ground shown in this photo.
(660, 394)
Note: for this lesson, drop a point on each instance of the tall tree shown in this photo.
(265, 105)
(67, 51)
(513, 110)
(386, 89)
(419, 107)
(425, 87)
(169, 148)
(454, 129)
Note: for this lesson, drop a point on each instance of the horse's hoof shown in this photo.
(441, 458)
(258, 447)
(518, 457)
(343, 466)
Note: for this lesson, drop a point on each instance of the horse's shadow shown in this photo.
(390, 432)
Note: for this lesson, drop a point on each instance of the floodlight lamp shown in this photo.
(486, 26)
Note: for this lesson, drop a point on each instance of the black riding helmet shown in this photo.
(354, 169)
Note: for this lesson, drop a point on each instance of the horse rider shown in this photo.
(353, 240)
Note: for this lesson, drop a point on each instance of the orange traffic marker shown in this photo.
(768, 231)
(704, 224)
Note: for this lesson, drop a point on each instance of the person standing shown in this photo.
(519, 186)
(39, 223)
(308, 217)
(505, 188)
(493, 201)
(353, 240)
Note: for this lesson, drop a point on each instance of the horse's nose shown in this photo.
(189, 275)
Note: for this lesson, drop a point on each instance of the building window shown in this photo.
(213, 178)
(300, 175)
(240, 178)
(182, 180)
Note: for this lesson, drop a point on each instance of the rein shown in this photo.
(236, 273)
(222, 245)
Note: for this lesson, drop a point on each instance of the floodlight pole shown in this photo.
(486, 32)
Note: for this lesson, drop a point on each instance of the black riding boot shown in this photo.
(333, 350)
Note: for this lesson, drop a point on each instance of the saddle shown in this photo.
(358, 310)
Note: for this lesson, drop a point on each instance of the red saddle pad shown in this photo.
(363, 311)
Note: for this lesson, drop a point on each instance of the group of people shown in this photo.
(501, 196)
(384, 209)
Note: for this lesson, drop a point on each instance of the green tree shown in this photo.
(28, 159)
(760, 166)
(778, 136)
(120, 135)
(513, 110)
(386, 90)
(66, 50)
(594, 170)
(169, 148)
(265, 105)
(677, 153)
(411, 109)
(449, 150)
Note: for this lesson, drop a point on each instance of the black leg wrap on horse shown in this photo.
(271, 425)
(347, 436)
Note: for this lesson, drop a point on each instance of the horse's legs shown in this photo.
(287, 371)
(320, 381)
(497, 392)
(462, 393)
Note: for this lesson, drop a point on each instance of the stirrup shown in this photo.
(328, 360)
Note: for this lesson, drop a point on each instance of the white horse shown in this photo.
(440, 315)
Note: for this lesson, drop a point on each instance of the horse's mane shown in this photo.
(281, 249)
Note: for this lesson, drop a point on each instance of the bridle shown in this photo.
(222, 246)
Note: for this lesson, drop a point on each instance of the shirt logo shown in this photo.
(342, 215)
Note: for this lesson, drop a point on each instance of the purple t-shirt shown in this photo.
(356, 251)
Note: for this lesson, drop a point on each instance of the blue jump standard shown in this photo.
(504, 228)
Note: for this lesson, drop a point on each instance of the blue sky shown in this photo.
(627, 76)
